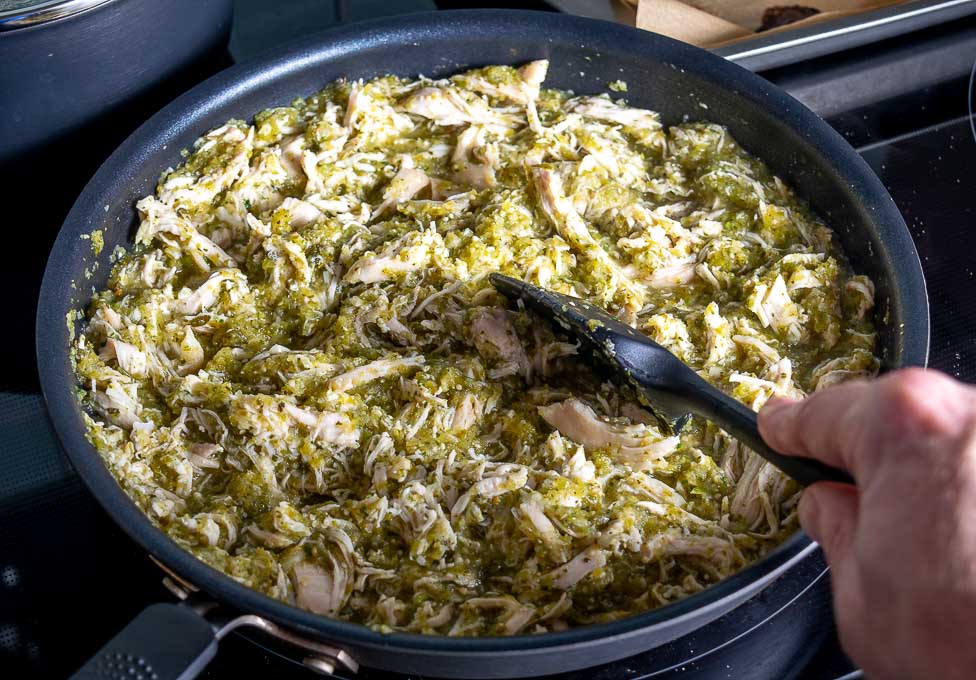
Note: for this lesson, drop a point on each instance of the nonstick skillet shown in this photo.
(680, 81)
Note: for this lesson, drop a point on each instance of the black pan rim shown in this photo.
(58, 383)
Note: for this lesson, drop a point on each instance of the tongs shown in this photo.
(671, 389)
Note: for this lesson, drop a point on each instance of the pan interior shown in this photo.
(679, 82)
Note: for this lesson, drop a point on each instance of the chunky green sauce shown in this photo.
(302, 374)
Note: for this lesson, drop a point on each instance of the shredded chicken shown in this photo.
(470, 170)
(466, 413)
(203, 298)
(560, 211)
(303, 375)
(719, 551)
(674, 275)
(773, 306)
(495, 338)
(128, 357)
(333, 428)
(399, 257)
(602, 108)
(318, 590)
(579, 567)
(372, 371)
(448, 106)
(639, 445)
(406, 184)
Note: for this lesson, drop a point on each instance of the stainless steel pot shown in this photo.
(76, 78)
(69, 64)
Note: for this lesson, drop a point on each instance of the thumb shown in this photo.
(828, 512)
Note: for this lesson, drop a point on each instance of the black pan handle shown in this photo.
(740, 421)
(164, 642)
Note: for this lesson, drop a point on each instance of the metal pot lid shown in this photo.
(22, 13)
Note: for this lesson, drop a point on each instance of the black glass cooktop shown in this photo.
(69, 579)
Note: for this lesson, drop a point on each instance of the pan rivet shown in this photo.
(175, 588)
(320, 664)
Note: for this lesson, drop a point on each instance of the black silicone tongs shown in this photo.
(671, 389)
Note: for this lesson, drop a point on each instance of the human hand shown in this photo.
(902, 544)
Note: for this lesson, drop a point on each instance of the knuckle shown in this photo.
(806, 409)
(909, 401)
(811, 430)
(905, 385)
(798, 434)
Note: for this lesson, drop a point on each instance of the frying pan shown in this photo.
(680, 81)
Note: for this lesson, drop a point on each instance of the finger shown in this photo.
(822, 426)
(828, 513)
(924, 402)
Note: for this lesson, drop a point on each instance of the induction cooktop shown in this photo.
(69, 579)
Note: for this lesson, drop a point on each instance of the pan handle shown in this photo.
(177, 641)
(164, 642)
